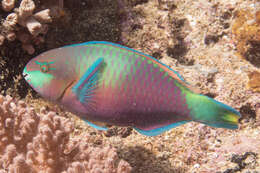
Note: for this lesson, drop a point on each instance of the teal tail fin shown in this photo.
(211, 112)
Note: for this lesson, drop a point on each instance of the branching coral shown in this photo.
(8, 5)
(26, 8)
(23, 22)
(40, 142)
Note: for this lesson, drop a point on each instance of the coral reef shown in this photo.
(196, 39)
(28, 26)
(40, 142)
(254, 81)
(8, 5)
(246, 31)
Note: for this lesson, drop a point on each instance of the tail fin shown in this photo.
(213, 113)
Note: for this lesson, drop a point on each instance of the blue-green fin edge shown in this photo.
(160, 130)
(85, 93)
(95, 126)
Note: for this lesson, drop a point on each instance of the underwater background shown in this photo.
(213, 44)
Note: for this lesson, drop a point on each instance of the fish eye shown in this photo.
(44, 68)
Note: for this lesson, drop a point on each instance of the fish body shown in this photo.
(109, 83)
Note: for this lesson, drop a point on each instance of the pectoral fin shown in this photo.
(88, 83)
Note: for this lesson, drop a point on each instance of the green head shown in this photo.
(50, 73)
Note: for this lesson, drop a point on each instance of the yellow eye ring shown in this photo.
(44, 68)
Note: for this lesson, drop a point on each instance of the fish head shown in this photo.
(50, 73)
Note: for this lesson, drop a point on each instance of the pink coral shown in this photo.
(8, 5)
(26, 8)
(35, 25)
(11, 20)
(23, 37)
(28, 48)
(2, 39)
(40, 142)
(257, 114)
(10, 36)
(43, 16)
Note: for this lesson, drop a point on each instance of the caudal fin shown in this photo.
(213, 113)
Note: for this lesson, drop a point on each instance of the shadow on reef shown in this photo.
(180, 49)
(247, 112)
(86, 20)
(144, 161)
(83, 20)
(249, 159)
(12, 62)
(253, 53)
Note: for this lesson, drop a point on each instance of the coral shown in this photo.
(10, 36)
(34, 26)
(8, 5)
(11, 21)
(40, 142)
(246, 32)
(25, 21)
(258, 114)
(26, 9)
(254, 81)
(28, 48)
(216, 69)
(2, 39)
(43, 16)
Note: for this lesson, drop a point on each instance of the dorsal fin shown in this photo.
(88, 83)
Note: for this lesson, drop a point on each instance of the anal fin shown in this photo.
(159, 130)
(96, 125)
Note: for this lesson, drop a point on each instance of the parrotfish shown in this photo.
(109, 84)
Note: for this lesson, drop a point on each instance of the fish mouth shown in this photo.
(26, 76)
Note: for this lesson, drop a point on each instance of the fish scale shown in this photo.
(141, 82)
(142, 77)
(107, 83)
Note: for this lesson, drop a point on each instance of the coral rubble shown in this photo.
(40, 142)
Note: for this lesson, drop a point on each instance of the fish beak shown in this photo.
(25, 74)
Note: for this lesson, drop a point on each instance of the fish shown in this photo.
(106, 84)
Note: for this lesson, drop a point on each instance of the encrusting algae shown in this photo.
(246, 32)
(254, 81)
